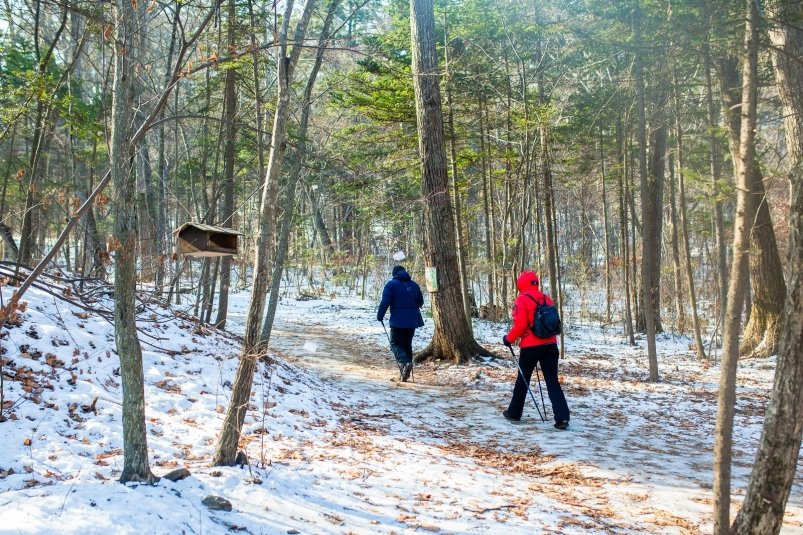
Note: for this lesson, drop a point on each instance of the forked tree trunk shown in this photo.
(295, 164)
(135, 442)
(226, 449)
(453, 339)
(745, 213)
(774, 469)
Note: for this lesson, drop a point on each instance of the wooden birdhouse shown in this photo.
(197, 239)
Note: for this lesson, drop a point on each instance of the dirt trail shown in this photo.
(456, 412)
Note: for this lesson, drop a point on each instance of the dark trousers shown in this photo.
(547, 356)
(401, 342)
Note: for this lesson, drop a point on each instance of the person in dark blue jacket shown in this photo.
(403, 296)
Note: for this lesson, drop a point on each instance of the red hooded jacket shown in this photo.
(524, 312)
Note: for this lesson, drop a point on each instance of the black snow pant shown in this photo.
(547, 355)
(402, 344)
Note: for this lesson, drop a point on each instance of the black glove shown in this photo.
(506, 341)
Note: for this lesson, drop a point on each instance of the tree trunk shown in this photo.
(226, 449)
(677, 277)
(227, 206)
(655, 192)
(461, 244)
(135, 443)
(320, 224)
(716, 177)
(41, 136)
(623, 234)
(605, 229)
(648, 216)
(684, 222)
(453, 339)
(761, 334)
(295, 161)
(148, 257)
(745, 213)
(162, 219)
(766, 273)
(486, 201)
(774, 469)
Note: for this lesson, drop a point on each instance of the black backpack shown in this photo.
(546, 320)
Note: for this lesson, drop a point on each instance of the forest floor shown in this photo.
(337, 444)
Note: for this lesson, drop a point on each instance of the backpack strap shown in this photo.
(537, 304)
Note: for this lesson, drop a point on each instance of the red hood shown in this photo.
(527, 281)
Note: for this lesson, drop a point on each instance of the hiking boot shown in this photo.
(408, 369)
(510, 418)
(562, 424)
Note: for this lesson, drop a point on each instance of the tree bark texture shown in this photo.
(774, 469)
(135, 443)
(648, 215)
(766, 273)
(453, 339)
(745, 213)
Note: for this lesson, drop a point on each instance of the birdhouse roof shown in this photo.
(208, 228)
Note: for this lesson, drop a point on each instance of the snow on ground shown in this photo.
(338, 445)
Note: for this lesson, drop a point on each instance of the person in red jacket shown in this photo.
(534, 350)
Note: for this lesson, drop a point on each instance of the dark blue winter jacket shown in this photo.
(404, 298)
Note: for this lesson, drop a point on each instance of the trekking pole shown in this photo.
(391, 346)
(538, 378)
(528, 384)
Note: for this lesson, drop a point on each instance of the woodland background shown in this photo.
(643, 156)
